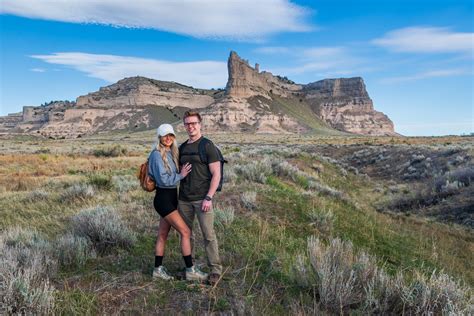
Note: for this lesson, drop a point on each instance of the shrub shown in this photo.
(72, 250)
(77, 192)
(324, 189)
(285, 169)
(25, 264)
(452, 181)
(436, 295)
(336, 280)
(322, 219)
(256, 170)
(103, 227)
(384, 295)
(249, 199)
(347, 280)
(100, 181)
(230, 176)
(114, 151)
(224, 216)
(340, 275)
(124, 183)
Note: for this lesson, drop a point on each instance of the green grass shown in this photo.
(303, 113)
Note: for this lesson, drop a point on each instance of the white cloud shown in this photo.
(426, 75)
(273, 50)
(245, 20)
(38, 69)
(111, 68)
(427, 40)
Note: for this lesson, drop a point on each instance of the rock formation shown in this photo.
(346, 106)
(140, 91)
(251, 102)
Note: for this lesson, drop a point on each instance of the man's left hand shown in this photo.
(206, 206)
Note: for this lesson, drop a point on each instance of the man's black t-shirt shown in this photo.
(195, 185)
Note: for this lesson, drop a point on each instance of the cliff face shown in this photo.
(253, 101)
(345, 105)
(245, 81)
(140, 91)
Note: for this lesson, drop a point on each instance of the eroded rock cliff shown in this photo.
(251, 102)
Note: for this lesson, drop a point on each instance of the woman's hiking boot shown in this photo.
(161, 273)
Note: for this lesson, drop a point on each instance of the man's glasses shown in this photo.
(191, 124)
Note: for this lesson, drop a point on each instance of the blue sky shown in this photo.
(416, 57)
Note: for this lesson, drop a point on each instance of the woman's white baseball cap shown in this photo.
(165, 129)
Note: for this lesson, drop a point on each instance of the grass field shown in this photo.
(299, 231)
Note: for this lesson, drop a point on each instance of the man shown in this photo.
(198, 188)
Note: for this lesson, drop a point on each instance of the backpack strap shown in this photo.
(202, 149)
(154, 149)
(180, 150)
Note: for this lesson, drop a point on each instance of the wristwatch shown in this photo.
(208, 198)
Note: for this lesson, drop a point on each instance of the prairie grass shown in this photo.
(105, 268)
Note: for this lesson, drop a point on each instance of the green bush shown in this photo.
(100, 181)
(114, 151)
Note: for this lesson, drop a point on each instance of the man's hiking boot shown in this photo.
(194, 274)
(214, 278)
(161, 273)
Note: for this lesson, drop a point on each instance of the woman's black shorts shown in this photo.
(166, 201)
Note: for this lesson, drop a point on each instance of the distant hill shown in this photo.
(252, 101)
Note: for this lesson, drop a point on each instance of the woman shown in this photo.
(162, 167)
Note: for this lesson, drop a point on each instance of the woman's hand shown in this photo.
(185, 169)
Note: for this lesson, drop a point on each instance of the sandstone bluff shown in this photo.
(253, 101)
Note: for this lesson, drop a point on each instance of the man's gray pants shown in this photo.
(188, 211)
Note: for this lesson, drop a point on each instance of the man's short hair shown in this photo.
(192, 113)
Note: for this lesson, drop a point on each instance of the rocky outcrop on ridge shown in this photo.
(346, 106)
(249, 103)
(343, 103)
(141, 91)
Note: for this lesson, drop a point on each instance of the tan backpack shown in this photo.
(146, 182)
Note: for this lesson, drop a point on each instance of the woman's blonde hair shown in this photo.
(174, 153)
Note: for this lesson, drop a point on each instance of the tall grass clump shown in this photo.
(255, 171)
(346, 280)
(322, 219)
(341, 275)
(224, 215)
(73, 251)
(79, 191)
(25, 264)
(103, 227)
(285, 169)
(326, 190)
(124, 183)
(100, 181)
(249, 199)
(113, 151)
(438, 294)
